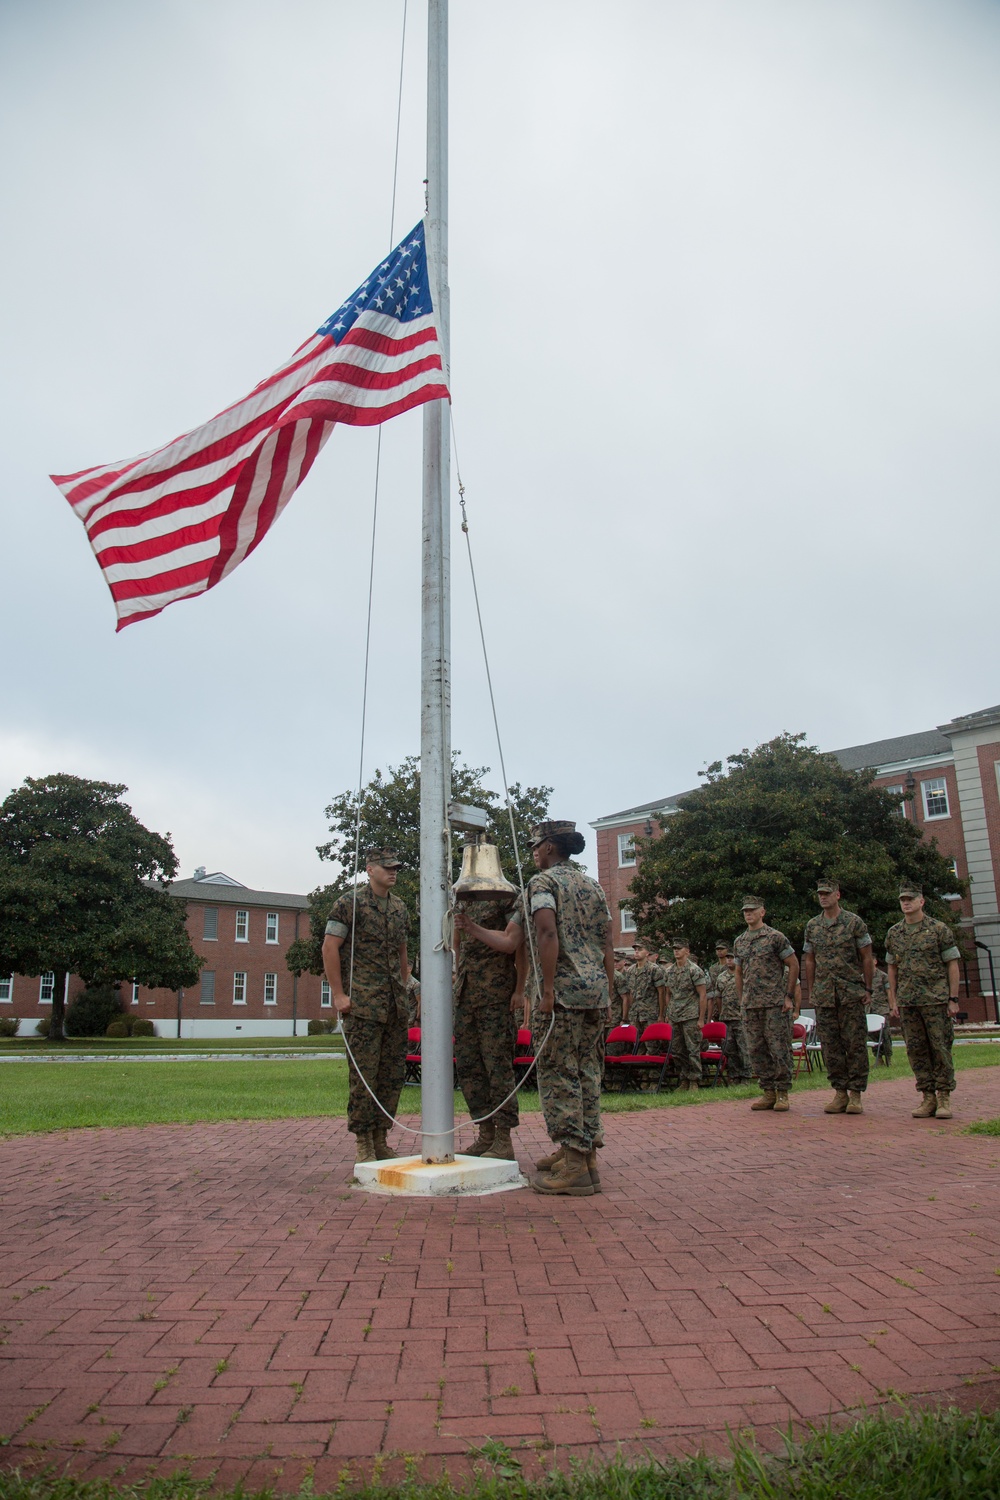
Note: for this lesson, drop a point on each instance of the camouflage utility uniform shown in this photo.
(570, 1065)
(413, 999)
(731, 1012)
(485, 1029)
(838, 996)
(760, 960)
(644, 984)
(683, 1013)
(712, 990)
(921, 952)
(377, 1022)
(618, 992)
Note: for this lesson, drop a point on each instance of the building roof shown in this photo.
(923, 745)
(234, 895)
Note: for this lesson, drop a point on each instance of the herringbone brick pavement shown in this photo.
(218, 1298)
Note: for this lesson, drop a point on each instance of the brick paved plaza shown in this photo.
(216, 1297)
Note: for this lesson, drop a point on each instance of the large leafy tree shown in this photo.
(769, 824)
(81, 891)
(390, 818)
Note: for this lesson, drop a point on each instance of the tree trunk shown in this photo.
(56, 1033)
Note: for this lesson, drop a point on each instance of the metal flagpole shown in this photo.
(436, 1067)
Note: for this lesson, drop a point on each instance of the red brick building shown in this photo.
(245, 988)
(953, 774)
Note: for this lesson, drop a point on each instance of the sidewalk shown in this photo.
(217, 1297)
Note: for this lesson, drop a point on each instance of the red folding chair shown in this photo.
(713, 1034)
(800, 1048)
(524, 1055)
(412, 1074)
(659, 1035)
(626, 1035)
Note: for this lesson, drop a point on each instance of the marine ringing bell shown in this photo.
(482, 878)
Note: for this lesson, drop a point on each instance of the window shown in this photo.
(952, 895)
(211, 933)
(628, 921)
(626, 850)
(271, 927)
(897, 791)
(208, 986)
(325, 994)
(6, 990)
(270, 989)
(935, 798)
(243, 927)
(239, 988)
(46, 989)
(135, 993)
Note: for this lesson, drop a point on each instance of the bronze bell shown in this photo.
(482, 878)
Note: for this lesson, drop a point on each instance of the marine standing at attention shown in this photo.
(685, 985)
(924, 976)
(375, 1013)
(766, 974)
(712, 989)
(731, 1012)
(839, 967)
(646, 991)
(486, 994)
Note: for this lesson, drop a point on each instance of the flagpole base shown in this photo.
(466, 1176)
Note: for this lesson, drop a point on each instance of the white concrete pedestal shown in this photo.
(465, 1176)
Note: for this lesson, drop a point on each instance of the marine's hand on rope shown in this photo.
(546, 1004)
(518, 1003)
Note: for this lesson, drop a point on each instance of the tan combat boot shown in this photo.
(781, 1104)
(928, 1109)
(595, 1176)
(570, 1177)
(502, 1148)
(364, 1147)
(854, 1105)
(383, 1151)
(838, 1104)
(766, 1101)
(943, 1111)
(484, 1139)
(546, 1163)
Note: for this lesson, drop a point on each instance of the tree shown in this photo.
(81, 891)
(770, 825)
(390, 818)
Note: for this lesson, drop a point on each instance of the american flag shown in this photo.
(174, 522)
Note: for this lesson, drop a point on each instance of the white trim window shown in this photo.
(135, 992)
(7, 990)
(627, 920)
(243, 927)
(935, 794)
(240, 987)
(271, 927)
(897, 791)
(46, 988)
(270, 989)
(325, 994)
(626, 851)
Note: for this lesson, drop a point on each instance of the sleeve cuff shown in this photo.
(786, 951)
(807, 947)
(950, 953)
(864, 942)
(543, 901)
(336, 929)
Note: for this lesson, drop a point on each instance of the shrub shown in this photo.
(117, 1028)
(42, 1029)
(93, 1011)
(322, 1027)
(8, 1025)
(142, 1027)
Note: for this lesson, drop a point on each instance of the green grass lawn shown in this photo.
(945, 1455)
(38, 1046)
(47, 1096)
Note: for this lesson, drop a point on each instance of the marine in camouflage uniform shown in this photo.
(571, 1064)
(646, 981)
(619, 994)
(731, 1013)
(685, 984)
(920, 955)
(838, 960)
(413, 997)
(376, 1024)
(762, 956)
(485, 1028)
(712, 987)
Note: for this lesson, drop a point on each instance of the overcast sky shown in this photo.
(725, 366)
